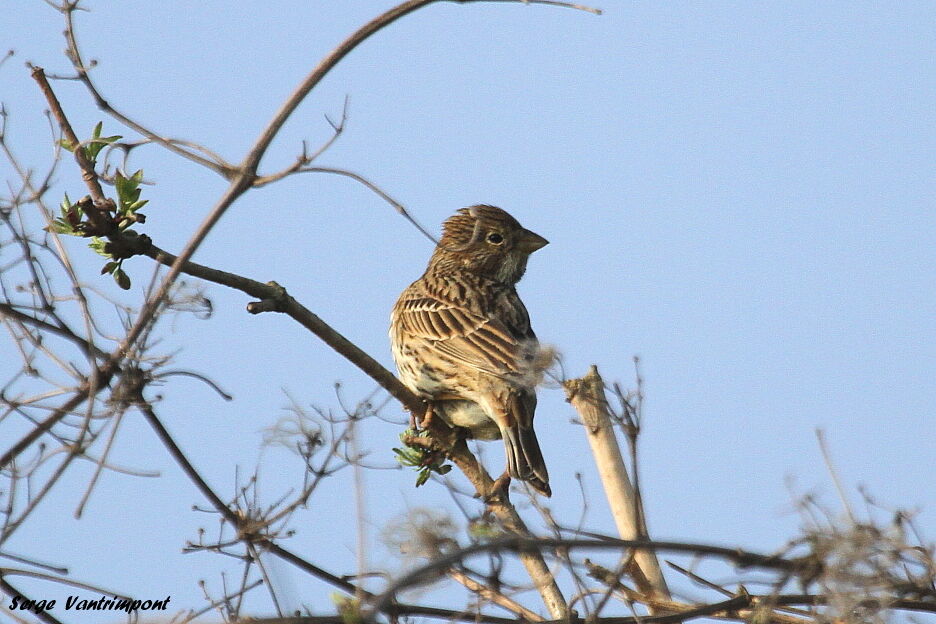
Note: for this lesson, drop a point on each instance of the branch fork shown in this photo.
(277, 301)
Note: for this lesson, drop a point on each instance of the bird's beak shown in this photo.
(530, 242)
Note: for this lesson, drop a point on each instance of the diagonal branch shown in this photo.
(87, 168)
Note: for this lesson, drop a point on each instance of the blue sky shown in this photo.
(741, 194)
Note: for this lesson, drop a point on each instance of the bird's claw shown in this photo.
(426, 419)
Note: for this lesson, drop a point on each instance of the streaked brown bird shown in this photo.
(462, 340)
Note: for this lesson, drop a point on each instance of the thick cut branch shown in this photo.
(587, 396)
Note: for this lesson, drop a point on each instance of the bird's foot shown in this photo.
(422, 423)
(426, 420)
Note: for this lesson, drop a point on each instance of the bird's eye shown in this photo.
(495, 238)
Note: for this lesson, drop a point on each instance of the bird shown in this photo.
(462, 341)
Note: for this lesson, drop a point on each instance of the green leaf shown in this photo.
(98, 244)
(128, 191)
(424, 461)
(71, 216)
(60, 227)
(122, 280)
(407, 457)
(67, 145)
(122, 184)
(97, 142)
(91, 151)
(110, 267)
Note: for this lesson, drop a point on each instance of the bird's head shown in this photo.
(487, 240)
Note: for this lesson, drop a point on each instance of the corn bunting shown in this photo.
(462, 340)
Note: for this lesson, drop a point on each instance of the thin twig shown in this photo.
(376, 189)
(555, 3)
(65, 332)
(827, 458)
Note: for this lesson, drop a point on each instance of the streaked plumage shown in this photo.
(461, 337)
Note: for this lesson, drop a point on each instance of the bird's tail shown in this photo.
(524, 458)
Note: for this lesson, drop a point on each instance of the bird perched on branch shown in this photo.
(462, 340)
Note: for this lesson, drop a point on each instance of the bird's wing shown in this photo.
(463, 335)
